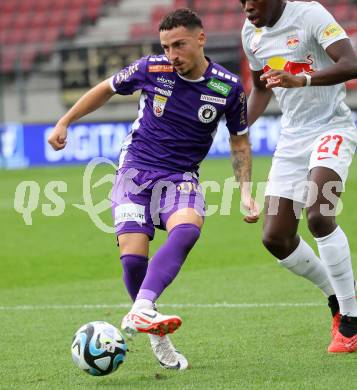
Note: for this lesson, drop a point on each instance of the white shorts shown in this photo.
(295, 157)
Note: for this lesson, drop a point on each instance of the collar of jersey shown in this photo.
(189, 80)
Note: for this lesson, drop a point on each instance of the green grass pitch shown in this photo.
(52, 269)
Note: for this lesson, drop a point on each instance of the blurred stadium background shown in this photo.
(53, 51)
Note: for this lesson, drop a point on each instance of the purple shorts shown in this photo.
(143, 200)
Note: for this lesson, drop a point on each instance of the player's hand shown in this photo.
(58, 138)
(251, 207)
(280, 78)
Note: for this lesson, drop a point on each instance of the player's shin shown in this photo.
(162, 270)
(167, 261)
(335, 253)
(134, 271)
(305, 263)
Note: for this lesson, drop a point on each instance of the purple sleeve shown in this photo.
(236, 114)
(130, 79)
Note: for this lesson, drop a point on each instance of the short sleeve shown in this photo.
(254, 64)
(323, 25)
(236, 114)
(130, 79)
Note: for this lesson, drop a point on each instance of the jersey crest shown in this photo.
(159, 104)
(292, 42)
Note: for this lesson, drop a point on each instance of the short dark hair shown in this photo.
(184, 17)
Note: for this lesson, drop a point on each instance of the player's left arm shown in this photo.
(237, 124)
(343, 69)
(242, 166)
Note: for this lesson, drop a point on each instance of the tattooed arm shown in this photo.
(241, 160)
(242, 168)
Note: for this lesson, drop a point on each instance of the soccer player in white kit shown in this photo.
(298, 51)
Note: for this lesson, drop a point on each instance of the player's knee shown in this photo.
(277, 245)
(271, 243)
(187, 234)
(133, 244)
(133, 263)
(319, 225)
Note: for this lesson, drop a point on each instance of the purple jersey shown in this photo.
(177, 117)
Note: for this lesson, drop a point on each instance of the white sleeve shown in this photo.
(254, 64)
(111, 83)
(323, 25)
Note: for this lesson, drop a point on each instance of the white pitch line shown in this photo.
(173, 305)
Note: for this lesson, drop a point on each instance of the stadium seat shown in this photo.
(49, 39)
(6, 21)
(16, 37)
(213, 6)
(56, 18)
(211, 22)
(202, 6)
(63, 4)
(8, 7)
(180, 4)
(72, 23)
(21, 20)
(158, 13)
(39, 19)
(8, 58)
(341, 12)
(35, 35)
(33, 27)
(43, 22)
(354, 16)
(92, 12)
(25, 6)
(230, 22)
(3, 37)
(233, 6)
(42, 5)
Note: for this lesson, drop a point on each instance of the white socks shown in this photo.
(142, 304)
(333, 275)
(305, 263)
(335, 253)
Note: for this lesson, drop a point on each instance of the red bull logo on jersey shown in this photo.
(293, 42)
(281, 63)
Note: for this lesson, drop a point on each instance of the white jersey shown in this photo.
(297, 43)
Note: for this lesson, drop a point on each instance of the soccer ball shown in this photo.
(98, 348)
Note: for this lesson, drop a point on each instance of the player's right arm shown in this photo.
(241, 155)
(259, 97)
(88, 103)
(125, 82)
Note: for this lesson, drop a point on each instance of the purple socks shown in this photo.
(134, 271)
(168, 260)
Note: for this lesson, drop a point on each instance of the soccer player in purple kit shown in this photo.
(183, 96)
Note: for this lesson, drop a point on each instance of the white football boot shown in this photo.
(149, 321)
(166, 353)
